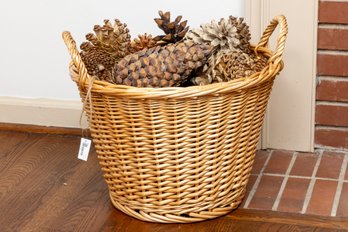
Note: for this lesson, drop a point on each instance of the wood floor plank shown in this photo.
(220, 224)
(42, 129)
(15, 165)
(12, 145)
(290, 218)
(83, 208)
(79, 184)
(33, 179)
(43, 187)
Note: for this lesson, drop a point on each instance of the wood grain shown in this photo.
(43, 187)
(43, 129)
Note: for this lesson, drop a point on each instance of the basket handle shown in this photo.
(76, 58)
(281, 20)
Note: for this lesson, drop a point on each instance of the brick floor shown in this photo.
(259, 162)
(304, 164)
(266, 192)
(294, 195)
(330, 165)
(279, 162)
(322, 197)
(307, 183)
(252, 180)
(343, 205)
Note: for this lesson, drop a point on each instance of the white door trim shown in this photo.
(290, 119)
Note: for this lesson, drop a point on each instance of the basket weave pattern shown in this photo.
(178, 154)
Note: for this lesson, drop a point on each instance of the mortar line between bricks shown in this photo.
(339, 186)
(333, 25)
(332, 52)
(331, 103)
(257, 182)
(338, 151)
(340, 128)
(327, 148)
(332, 1)
(285, 180)
(302, 177)
(333, 78)
(311, 184)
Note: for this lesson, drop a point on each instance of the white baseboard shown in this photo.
(42, 112)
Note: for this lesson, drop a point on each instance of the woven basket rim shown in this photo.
(239, 84)
(274, 65)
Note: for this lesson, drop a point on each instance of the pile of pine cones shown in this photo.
(215, 52)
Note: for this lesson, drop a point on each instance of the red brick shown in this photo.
(279, 162)
(304, 164)
(332, 90)
(331, 138)
(346, 175)
(322, 197)
(342, 210)
(250, 185)
(251, 182)
(331, 115)
(330, 165)
(294, 195)
(266, 192)
(260, 159)
(334, 39)
(333, 12)
(332, 65)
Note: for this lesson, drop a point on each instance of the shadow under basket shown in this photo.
(178, 155)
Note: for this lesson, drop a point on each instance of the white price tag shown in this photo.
(85, 145)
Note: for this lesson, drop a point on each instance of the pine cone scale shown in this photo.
(174, 31)
(168, 66)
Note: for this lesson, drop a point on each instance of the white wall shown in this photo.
(33, 58)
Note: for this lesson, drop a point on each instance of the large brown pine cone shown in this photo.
(159, 66)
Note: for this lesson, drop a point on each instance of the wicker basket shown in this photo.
(178, 155)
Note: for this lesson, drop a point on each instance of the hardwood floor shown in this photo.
(42, 129)
(44, 187)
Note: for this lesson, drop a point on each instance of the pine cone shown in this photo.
(242, 32)
(237, 64)
(114, 39)
(143, 41)
(104, 48)
(98, 62)
(174, 31)
(159, 66)
(232, 56)
(226, 66)
(222, 35)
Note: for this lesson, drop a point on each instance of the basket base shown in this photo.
(172, 218)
